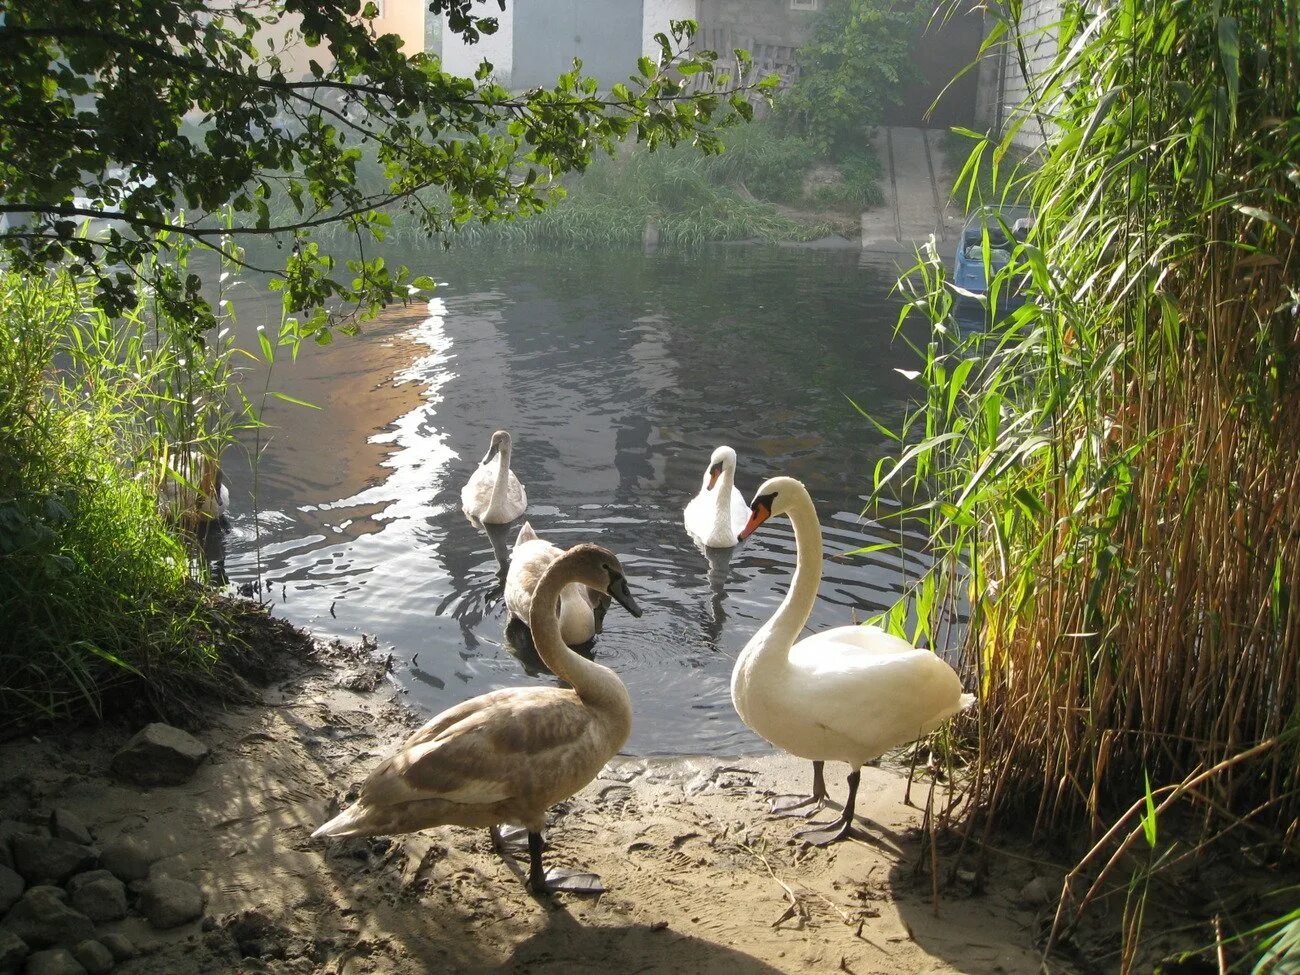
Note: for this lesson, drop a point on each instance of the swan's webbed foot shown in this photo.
(511, 842)
(555, 880)
(824, 834)
(813, 802)
(795, 807)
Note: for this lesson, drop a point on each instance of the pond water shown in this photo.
(617, 374)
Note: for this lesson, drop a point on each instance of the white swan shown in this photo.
(493, 495)
(714, 517)
(508, 756)
(531, 557)
(193, 492)
(845, 695)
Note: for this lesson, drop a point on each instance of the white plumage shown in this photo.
(716, 515)
(531, 557)
(493, 495)
(848, 694)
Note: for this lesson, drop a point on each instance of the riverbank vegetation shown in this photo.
(1109, 474)
(98, 568)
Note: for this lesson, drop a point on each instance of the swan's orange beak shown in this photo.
(714, 473)
(758, 513)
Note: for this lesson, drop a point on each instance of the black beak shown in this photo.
(714, 472)
(618, 589)
(492, 452)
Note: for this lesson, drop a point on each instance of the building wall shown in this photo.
(1038, 28)
(655, 18)
(784, 22)
(404, 18)
(463, 59)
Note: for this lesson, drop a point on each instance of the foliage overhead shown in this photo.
(186, 116)
(852, 68)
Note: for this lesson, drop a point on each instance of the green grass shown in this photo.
(748, 192)
(96, 589)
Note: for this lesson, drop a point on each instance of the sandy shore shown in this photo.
(699, 878)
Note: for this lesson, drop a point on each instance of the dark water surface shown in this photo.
(617, 375)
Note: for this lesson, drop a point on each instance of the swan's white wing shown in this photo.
(528, 563)
(872, 687)
(739, 511)
(476, 495)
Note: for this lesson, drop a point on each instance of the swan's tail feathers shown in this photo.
(526, 534)
(350, 822)
(966, 701)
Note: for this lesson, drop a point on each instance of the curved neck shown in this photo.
(502, 483)
(595, 683)
(726, 484)
(789, 619)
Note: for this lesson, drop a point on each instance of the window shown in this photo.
(803, 4)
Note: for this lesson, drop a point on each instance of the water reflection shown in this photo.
(616, 374)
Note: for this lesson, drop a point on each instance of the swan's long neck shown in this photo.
(722, 502)
(597, 685)
(502, 483)
(788, 621)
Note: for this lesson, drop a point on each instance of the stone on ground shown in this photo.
(56, 961)
(13, 950)
(65, 826)
(43, 920)
(167, 902)
(127, 859)
(159, 755)
(98, 895)
(11, 888)
(119, 945)
(94, 957)
(45, 859)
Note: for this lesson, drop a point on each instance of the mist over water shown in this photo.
(617, 374)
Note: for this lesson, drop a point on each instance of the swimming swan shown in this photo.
(531, 557)
(509, 755)
(493, 495)
(714, 517)
(844, 695)
(193, 492)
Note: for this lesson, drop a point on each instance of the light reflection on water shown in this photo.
(617, 375)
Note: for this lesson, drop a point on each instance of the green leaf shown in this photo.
(294, 400)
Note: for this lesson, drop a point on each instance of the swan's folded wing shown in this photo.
(873, 687)
(485, 753)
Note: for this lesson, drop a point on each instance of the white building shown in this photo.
(537, 40)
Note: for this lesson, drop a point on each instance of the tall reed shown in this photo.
(99, 418)
(1111, 474)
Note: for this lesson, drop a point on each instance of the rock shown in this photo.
(98, 895)
(1035, 893)
(11, 888)
(13, 950)
(127, 859)
(119, 945)
(167, 902)
(10, 828)
(159, 755)
(56, 961)
(44, 859)
(94, 957)
(65, 826)
(43, 920)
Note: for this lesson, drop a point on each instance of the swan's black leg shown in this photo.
(842, 827)
(536, 875)
(792, 805)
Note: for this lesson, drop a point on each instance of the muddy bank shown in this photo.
(699, 878)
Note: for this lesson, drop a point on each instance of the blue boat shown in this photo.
(1006, 226)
